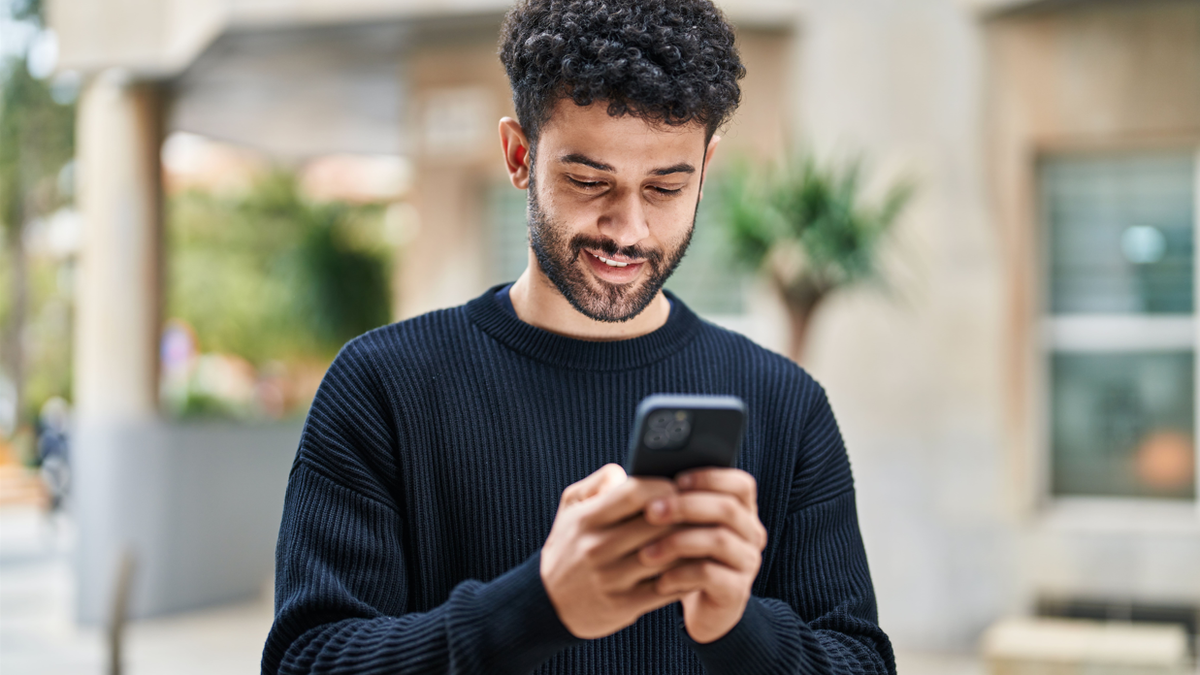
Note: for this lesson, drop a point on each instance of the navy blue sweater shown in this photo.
(429, 473)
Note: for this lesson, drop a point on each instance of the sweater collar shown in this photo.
(565, 352)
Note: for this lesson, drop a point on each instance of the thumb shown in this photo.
(598, 481)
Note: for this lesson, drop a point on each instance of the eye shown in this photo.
(585, 184)
(665, 191)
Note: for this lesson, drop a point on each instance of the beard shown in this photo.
(595, 298)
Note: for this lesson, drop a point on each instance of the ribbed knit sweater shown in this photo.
(430, 470)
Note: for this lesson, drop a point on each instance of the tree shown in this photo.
(36, 140)
(271, 275)
(807, 228)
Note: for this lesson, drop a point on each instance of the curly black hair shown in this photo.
(665, 61)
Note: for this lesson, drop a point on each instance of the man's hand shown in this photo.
(590, 564)
(720, 553)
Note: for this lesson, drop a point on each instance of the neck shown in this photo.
(539, 303)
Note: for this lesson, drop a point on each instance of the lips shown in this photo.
(613, 269)
(612, 262)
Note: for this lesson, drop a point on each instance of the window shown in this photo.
(1121, 328)
(508, 241)
(706, 280)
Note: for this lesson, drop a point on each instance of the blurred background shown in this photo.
(202, 200)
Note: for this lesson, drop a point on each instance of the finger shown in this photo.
(626, 573)
(729, 481)
(623, 501)
(626, 538)
(721, 584)
(716, 543)
(646, 597)
(709, 508)
(596, 482)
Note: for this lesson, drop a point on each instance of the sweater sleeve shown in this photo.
(814, 612)
(342, 584)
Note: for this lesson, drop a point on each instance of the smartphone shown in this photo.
(677, 432)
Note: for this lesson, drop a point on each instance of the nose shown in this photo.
(624, 221)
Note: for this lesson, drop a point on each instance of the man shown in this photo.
(456, 504)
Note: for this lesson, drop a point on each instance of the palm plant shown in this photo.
(807, 228)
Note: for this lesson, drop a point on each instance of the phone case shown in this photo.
(676, 432)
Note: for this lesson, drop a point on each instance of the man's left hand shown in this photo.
(720, 547)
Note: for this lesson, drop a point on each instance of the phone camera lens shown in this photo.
(667, 429)
(659, 421)
(656, 440)
(678, 432)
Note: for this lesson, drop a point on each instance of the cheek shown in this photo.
(675, 221)
(564, 212)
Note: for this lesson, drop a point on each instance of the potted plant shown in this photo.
(808, 228)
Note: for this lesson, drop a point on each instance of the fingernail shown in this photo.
(686, 481)
(653, 550)
(658, 508)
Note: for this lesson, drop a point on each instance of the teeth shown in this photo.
(612, 263)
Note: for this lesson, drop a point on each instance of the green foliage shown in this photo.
(37, 139)
(347, 291)
(199, 405)
(271, 276)
(47, 354)
(807, 225)
(26, 10)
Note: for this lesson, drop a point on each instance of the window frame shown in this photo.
(1101, 333)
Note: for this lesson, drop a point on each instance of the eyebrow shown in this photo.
(682, 167)
(576, 158)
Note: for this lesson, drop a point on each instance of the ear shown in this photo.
(516, 152)
(708, 155)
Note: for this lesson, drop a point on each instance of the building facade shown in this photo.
(1019, 407)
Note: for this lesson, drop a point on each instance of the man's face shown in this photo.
(612, 204)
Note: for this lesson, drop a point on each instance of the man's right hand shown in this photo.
(589, 564)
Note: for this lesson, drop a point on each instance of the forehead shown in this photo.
(628, 143)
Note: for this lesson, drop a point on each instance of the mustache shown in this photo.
(609, 248)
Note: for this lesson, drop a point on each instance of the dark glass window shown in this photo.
(1121, 233)
(1123, 424)
(1121, 240)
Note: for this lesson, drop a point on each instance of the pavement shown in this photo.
(38, 634)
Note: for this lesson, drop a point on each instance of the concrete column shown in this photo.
(116, 329)
(197, 505)
(117, 320)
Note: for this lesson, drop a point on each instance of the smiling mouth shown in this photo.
(612, 263)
